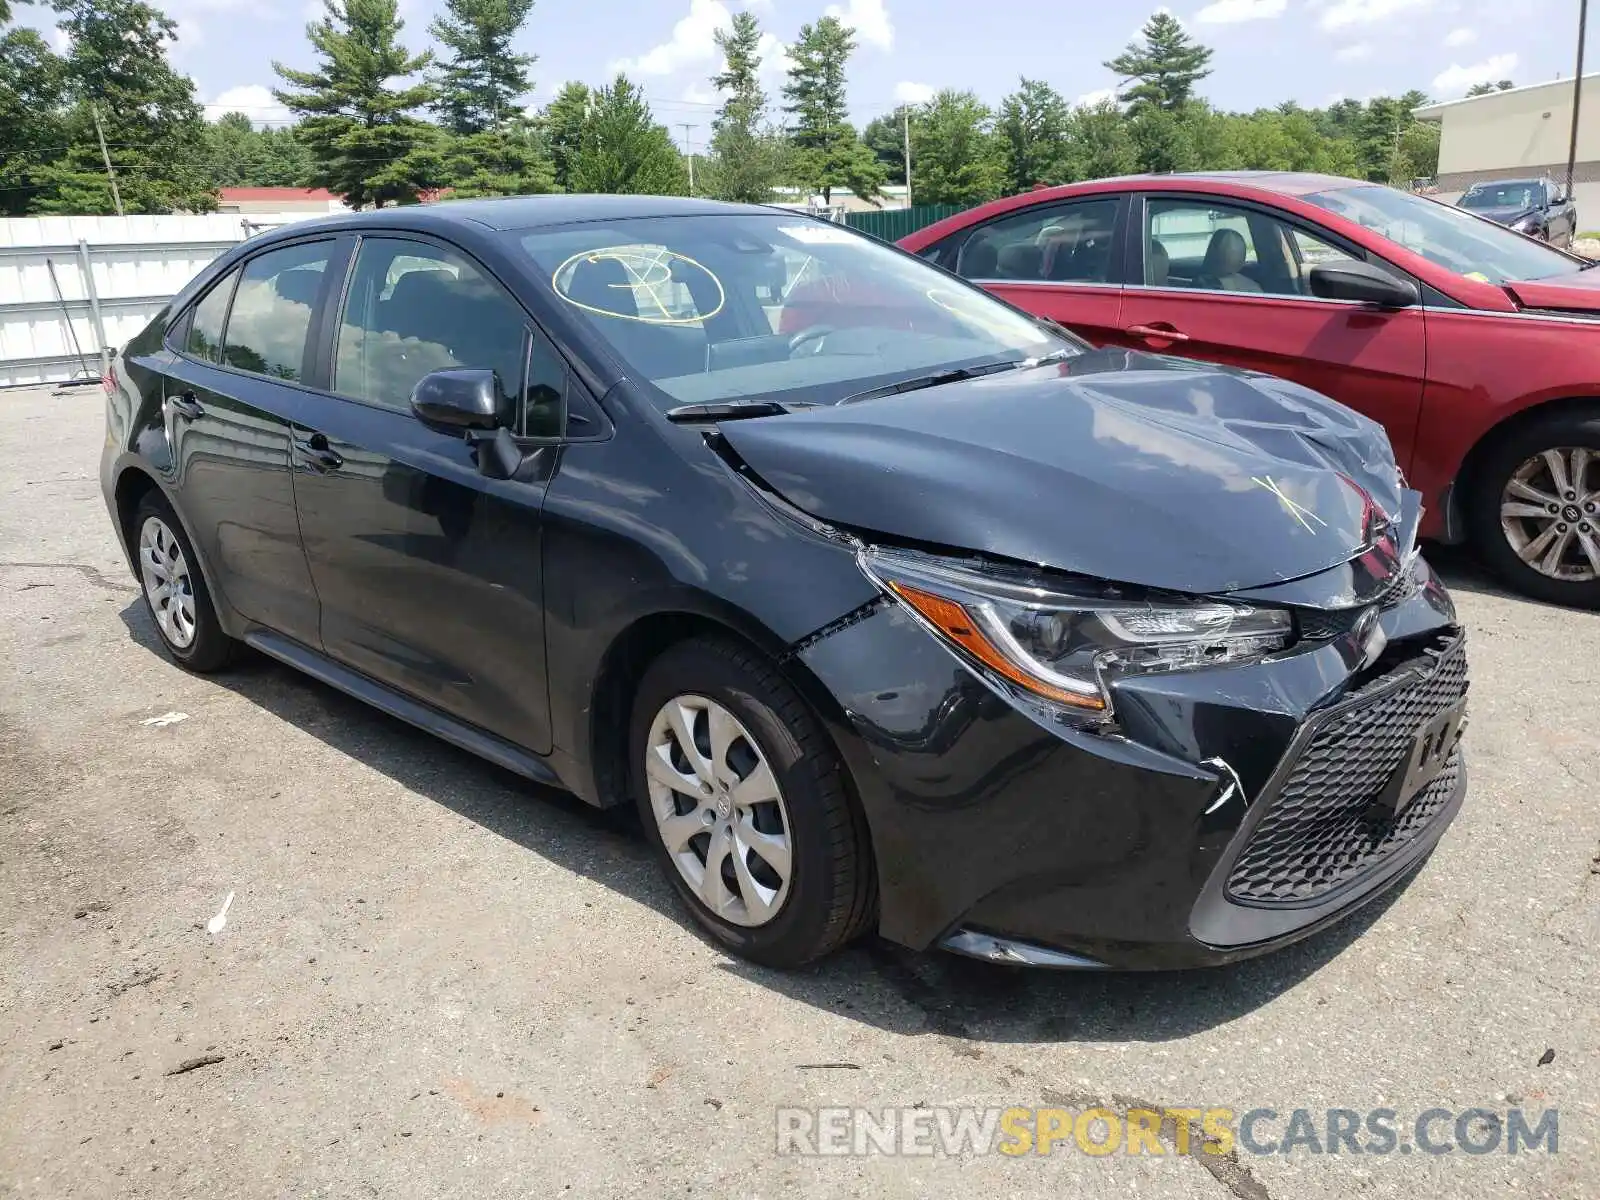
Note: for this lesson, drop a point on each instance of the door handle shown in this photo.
(315, 452)
(186, 405)
(1156, 333)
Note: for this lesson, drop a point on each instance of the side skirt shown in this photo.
(426, 718)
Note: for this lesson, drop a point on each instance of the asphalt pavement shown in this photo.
(436, 980)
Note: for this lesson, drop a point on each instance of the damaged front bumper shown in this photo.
(1232, 811)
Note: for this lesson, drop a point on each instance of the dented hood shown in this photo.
(1129, 467)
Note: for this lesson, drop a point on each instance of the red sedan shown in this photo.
(1476, 347)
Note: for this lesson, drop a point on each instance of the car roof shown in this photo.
(528, 212)
(1287, 183)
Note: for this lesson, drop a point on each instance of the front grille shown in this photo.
(1319, 832)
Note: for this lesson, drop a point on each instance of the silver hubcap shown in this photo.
(167, 585)
(1550, 512)
(719, 810)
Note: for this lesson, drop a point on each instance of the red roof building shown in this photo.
(277, 200)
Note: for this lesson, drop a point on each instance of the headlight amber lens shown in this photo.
(1066, 648)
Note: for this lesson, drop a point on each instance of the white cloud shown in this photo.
(1228, 12)
(774, 55)
(1460, 37)
(253, 100)
(914, 93)
(693, 42)
(1354, 53)
(1458, 79)
(869, 18)
(61, 40)
(1346, 14)
(1098, 96)
(698, 93)
(188, 38)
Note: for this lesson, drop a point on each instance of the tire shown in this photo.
(1578, 511)
(828, 896)
(188, 627)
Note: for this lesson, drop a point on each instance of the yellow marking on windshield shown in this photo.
(645, 273)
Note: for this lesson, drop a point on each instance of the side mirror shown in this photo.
(1363, 283)
(457, 400)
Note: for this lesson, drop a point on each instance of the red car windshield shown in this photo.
(1457, 241)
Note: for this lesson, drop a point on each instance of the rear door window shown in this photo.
(205, 329)
(270, 320)
(1060, 243)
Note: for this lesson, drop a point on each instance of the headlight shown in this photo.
(1066, 647)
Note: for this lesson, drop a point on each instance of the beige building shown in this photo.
(1521, 133)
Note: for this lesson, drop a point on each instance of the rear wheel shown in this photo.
(743, 796)
(1536, 514)
(174, 590)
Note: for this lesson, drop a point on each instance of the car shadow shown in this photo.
(1463, 572)
(873, 981)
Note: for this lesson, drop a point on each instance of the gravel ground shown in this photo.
(436, 980)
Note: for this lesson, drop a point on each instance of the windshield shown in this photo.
(1518, 193)
(785, 308)
(1455, 240)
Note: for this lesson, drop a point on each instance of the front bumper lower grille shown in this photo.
(1319, 830)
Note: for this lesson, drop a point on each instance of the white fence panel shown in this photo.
(73, 289)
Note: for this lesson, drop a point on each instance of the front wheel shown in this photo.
(1536, 511)
(744, 799)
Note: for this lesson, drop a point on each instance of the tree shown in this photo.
(746, 159)
(622, 149)
(885, 137)
(953, 153)
(1166, 65)
(364, 142)
(744, 100)
(240, 155)
(1380, 139)
(512, 159)
(33, 87)
(479, 86)
(118, 71)
(827, 152)
(1097, 143)
(1031, 130)
(563, 119)
(1485, 89)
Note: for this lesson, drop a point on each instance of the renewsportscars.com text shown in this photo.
(1016, 1131)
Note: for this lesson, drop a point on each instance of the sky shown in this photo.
(1266, 51)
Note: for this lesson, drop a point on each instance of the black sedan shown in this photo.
(889, 607)
(1535, 207)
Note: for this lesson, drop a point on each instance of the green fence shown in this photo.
(893, 224)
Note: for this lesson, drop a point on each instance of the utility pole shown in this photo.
(688, 149)
(116, 196)
(1577, 94)
(905, 123)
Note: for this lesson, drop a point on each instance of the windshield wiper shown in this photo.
(939, 378)
(731, 410)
